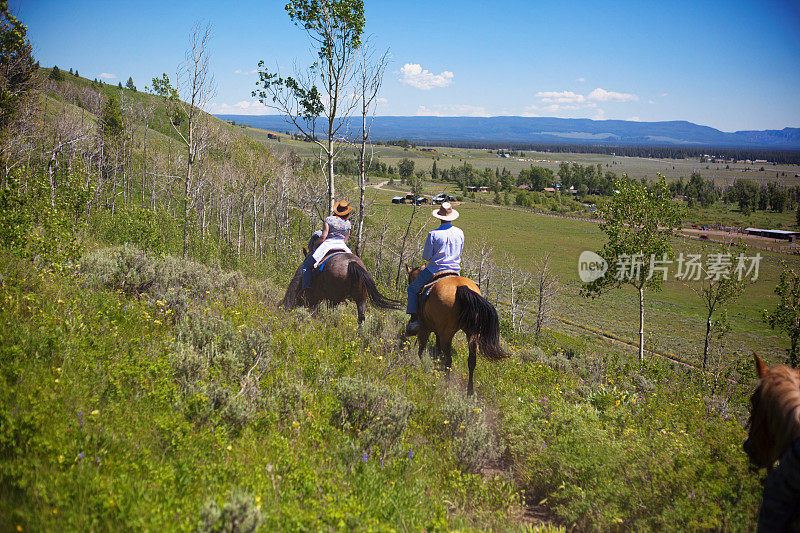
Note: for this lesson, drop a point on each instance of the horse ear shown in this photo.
(408, 268)
(761, 368)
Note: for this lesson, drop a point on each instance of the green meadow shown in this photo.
(675, 319)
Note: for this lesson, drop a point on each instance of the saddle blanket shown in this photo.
(321, 265)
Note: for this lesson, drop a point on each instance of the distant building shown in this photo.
(273, 136)
(773, 233)
(549, 189)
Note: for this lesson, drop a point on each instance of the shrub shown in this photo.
(289, 402)
(124, 268)
(240, 514)
(190, 368)
(198, 280)
(375, 414)
(473, 442)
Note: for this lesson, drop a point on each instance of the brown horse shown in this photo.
(344, 277)
(775, 434)
(455, 303)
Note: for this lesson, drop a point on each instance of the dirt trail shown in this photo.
(531, 512)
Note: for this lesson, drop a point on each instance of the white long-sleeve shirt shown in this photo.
(443, 248)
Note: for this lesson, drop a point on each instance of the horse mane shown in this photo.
(780, 394)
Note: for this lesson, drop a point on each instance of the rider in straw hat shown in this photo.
(334, 235)
(443, 252)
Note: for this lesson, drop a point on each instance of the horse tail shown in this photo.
(357, 274)
(478, 318)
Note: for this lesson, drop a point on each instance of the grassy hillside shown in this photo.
(195, 401)
(140, 390)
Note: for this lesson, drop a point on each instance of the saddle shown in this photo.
(320, 266)
(439, 276)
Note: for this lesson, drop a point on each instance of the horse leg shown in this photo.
(473, 349)
(446, 350)
(361, 305)
(422, 340)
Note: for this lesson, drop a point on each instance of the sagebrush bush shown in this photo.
(170, 279)
(472, 440)
(289, 402)
(239, 514)
(196, 279)
(124, 268)
(190, 368)
(375, 414)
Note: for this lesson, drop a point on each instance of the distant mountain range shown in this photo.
(541, 130)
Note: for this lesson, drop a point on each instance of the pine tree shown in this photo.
(119, 85)
(76, 74)
(70, 70)
(17, 67)
(130, 84)
(55, 74)
(111, 117)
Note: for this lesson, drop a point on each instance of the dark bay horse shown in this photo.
(455, 303)
(775, 434)
(344, 277)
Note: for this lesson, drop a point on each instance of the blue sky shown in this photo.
(731, 65)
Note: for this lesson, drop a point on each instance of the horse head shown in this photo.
(312, 243)
(413, 272)
(773, 421)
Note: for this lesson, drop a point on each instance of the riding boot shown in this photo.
(412, 328)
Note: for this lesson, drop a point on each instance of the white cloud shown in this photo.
(560, 103)
(245, 72)
(581, 80)
(601, 95)
(454, 110)
(562, 97)
(650, 102)
(381, 100)
(566, 107)
(242, 107)
(413, 74)
(634, 119)
(664, 94)
(107, 76)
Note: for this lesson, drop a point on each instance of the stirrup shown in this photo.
(412, 328)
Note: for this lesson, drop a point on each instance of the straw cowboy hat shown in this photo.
(445, 212)
(342, 208)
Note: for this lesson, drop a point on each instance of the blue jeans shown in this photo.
(308, 269)
(414, 287)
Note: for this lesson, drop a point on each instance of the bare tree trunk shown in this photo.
(186, 205)
(362, 186)
(705, 345)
